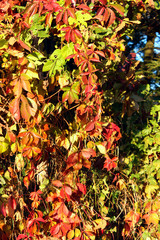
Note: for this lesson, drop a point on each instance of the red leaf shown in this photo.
(132, 218)
(40, 219)
(71, 56)
(100, 53)
(22, 236)
(112, 17)
(12, 202)
(57, 183)
(95, 60)
(87, 153)
(24, 45)
(71, 12)
(83, 66)
(12, 136)
(49, 19)
(83, 6)
(110, 163)
(82, 188)
(100, 11)
(30, 223)
(72, 160)
(65, 18)
(106, 15)
(103, 2)
(63, 209)
(29, 10)
(59, 17)
(72, 36)
(65, 29)
(67, 36)
(55, 229)
(65, 227)
(3, 210)
(90, 126)
(68, 190)
(77, 32)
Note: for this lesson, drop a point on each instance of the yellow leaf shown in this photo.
(77, 232)
(120, 184)
(150, 189)
(90, 144)
(63, 81)
(15, 53)
(21, 226)
(101, 148)
(70, 234)
(11, 41)
(100, 223)
(156, 205)
(19, 161)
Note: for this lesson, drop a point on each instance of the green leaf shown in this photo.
(57, 54)
(2, 180)
(43, 34)
(47, 66)
(44, 184)
(35, 56)
(157, 138)
(146, 235)
(3, 43)
(48, 108)
(31, 73)
(7, 175)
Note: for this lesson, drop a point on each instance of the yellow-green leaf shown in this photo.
(101, 148)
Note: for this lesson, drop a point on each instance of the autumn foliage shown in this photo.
(58, 136)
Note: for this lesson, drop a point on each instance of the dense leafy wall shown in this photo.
(79, 147)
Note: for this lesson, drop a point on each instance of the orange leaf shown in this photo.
(57, 183)
(14, 108)
(152, 217)
(25, 83)
(17, 90)
(26, 181)
(70, 234)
